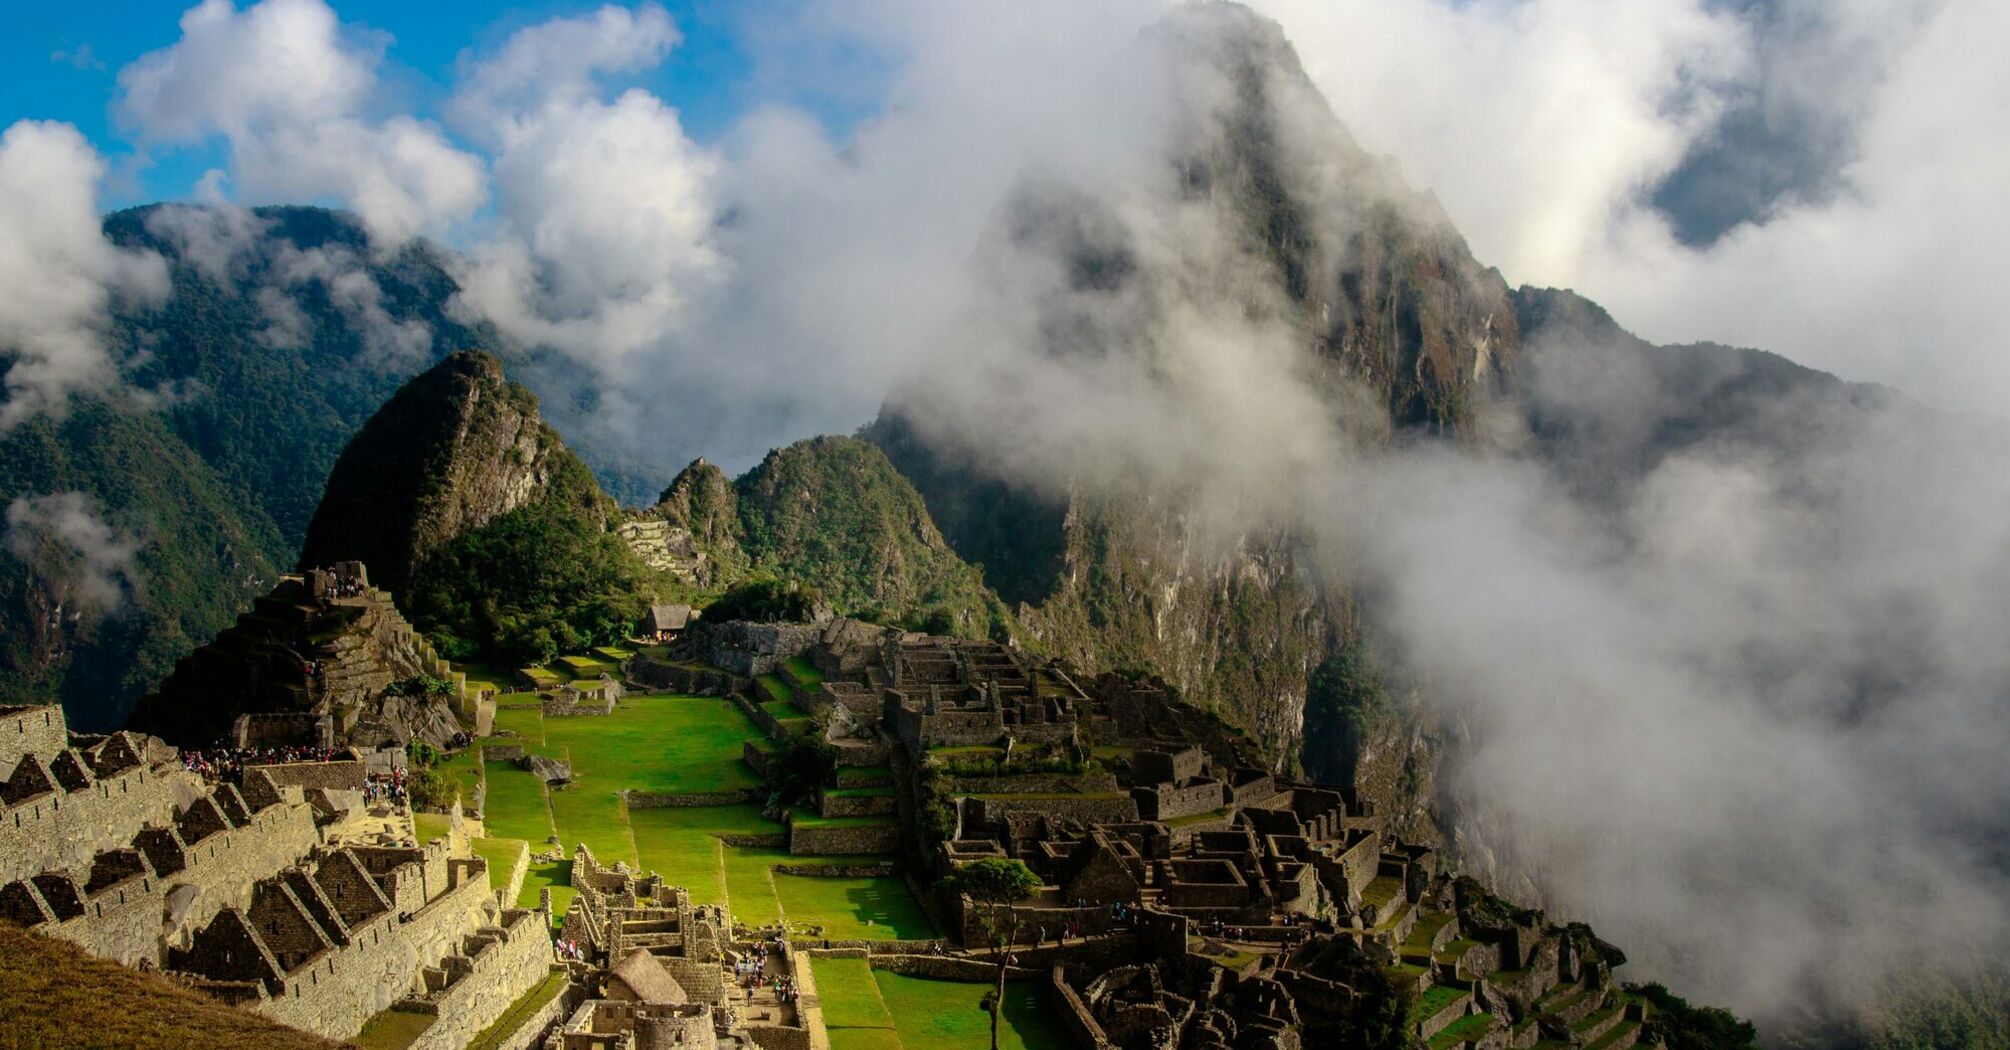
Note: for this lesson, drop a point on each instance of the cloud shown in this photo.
(233, 246)
(58, 273)
(290, 89)
(1872, 134)
(80, 57)
(65, 540)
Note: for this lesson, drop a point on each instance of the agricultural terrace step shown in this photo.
(1599, 1023)
(1623, 1035)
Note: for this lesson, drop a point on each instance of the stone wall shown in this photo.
(339, 776)
(1087, 809)
(652, 800)
(831, 805)
(516, 958)
(115, 907)
(46, 824)
(1075, 1015)
(1168, 802)
(844, 838)
(1168, 766)
(37, 729)
(335, 993)
(754, 648)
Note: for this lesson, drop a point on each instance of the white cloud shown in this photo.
(1545, 126)
(290, 88)
(58, 273)
(63, 538)
(605, 209)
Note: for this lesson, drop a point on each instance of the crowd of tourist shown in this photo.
(386, 787)
(228, 763)
(345, 587)
(570, 950)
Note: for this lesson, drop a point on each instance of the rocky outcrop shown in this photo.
(1369, 274)
(455, 448)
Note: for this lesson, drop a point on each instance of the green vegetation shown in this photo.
(798, 768)
(1343, 702)
(393, 1029)
(538, 581)
(526, 1005)
(502, 855)
(993, 880)
(1470, 1027)
(867, 1009)
(873, 908)
(1435, 998)
(1680, 1026)
(766, 599)
(850, 996)
(429, 826)
(949, 1015)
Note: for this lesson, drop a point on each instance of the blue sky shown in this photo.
(61, 62)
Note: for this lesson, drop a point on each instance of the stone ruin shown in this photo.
(1218, 903)
(310, 664)
(250, 894)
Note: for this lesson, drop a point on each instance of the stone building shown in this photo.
(242, 893)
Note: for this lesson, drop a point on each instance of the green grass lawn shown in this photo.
(1461, 1030)
(486, 676)
(545, 677)
(597, 818)
(501, 855)
(850, 995)
(877, 908)
(681, 843)
(393, 1030)
(587, 666)
(520, 1011)
(864, 775)
(782, 710)
(612, 653)
(515, 806)
(774, 687)
(553, 875)
(657, 744)
(803, 673)
(520, 723)
(950, 1015)
(1434, 999)
(429, 826)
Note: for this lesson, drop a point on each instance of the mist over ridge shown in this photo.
(1711, 645)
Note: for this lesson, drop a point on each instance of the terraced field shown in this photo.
(874, 1010)
(672, 745)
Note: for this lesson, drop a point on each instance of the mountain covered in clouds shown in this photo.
(1691, 641)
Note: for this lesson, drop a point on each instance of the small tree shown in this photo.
(996, 882)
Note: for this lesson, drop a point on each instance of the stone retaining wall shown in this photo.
(1086, 810)
(831, 805)
(649, 800)
(1075, 1015)
(498, 975)
(844, 838)
(841, 871)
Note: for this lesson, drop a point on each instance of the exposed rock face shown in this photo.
(549, 770)
(455, 448)
(300, 656)
(1397, 313)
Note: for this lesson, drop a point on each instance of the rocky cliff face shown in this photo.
(1404, 330)
(456, 448)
